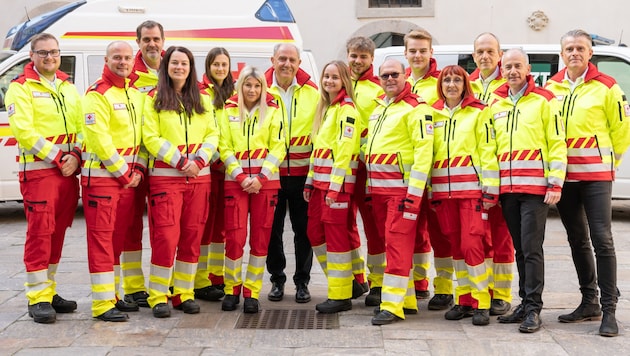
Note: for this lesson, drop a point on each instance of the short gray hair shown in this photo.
(518, 50)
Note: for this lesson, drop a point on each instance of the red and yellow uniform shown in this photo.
(179, 204)
(465, 172)
(366, 89)
(46, 122)
(112, 154)
(210, 267)
(398, 156)
(250, 147)
(428, 233)
(332, 174)
(594, 146)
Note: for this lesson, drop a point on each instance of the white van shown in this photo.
(248, 29)
(545, 61)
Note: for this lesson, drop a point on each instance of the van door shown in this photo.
(9, 184)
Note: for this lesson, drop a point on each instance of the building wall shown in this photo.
(327, 24)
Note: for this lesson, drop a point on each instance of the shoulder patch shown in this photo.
(500, 115)
(428, 118)
(90, 118)
(232, 118)
(626, 109)
(348, 131)
(429, 128)
(350, 120)
(11, 109)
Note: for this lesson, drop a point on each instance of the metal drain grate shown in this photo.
(288, 319)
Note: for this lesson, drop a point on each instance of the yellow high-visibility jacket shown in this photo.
(112, 132)
(399, 148)
(595, 115)
(366, 90)
(141, 77)
(464, 160)
(45, 121)
(426, 87)
(297, 127)
(251, 147)
(530, 136)
(476, 83)
(173, 139)
(335, 157)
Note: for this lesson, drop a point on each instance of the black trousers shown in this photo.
(586, 213)
(291, 194)
(526, 216)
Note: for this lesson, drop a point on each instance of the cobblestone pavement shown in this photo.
(213, 332)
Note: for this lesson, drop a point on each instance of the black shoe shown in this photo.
(161, 310)
(531, 323)
(277, 292)
(113, 315)
(517, 316)
(139, 298)
(210, 293)
(250, 306)
(384, 318)
(189, 307)
(609, 325)
(373, 298)
(422, 294)
(499, 307)
(459, 312)
(302, 295)
(334, 306)
(229, 302)
(584, 312)
(481, 317)
(63, 306)
(358, 289)
(127, 306)
(440, 302)
(406, 311)
(42, 313)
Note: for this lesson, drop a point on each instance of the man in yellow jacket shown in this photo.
(398, 157)
(44, 110)
(595, 113)
(113, 165)
(532, 162)
(144, 77)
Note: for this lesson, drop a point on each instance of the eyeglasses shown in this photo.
(386, 76)
(455, 81)
(53, 53)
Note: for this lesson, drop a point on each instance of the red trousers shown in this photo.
(178, 215)
(397, 231)
(501, 247)
(214, 231)
(109, 215)
(49, 204)
(429, 236)
(375, 245)
(328, 224)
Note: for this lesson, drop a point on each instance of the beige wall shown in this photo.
(327, 24)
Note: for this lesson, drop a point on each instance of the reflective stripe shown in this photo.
(506, 165)
(102, 278)
(517, 180)
(456, 187)
(36, 277)
(173, 172)
(161, 272)
(558, 166)
(455, 171)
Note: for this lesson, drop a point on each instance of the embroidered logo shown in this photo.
(429, 127)
(120, 106)
(90, 118)
(11, 109)
(348, 131)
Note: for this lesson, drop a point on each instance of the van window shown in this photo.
(7, 77)
(95, 68)
(616, 68)
(543, 66)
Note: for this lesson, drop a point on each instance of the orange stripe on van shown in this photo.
(275, 33)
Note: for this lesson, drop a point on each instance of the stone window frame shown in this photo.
(364, 11)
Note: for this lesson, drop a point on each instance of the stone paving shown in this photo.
(212, 332)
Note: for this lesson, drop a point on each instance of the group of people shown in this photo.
(463, 166)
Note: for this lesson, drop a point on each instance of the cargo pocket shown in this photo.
(231, 213)
(471, 216)
(272, 201)
(403, 222)
(446, 225)
(337, 212)
(98, 213)
(162, 210)
(39, 218)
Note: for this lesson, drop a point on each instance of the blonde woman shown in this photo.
(251, 147)
(330, 184)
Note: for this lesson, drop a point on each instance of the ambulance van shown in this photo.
(248, 29)
(545, 61)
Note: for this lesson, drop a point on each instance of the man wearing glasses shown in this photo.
(398, 157)
(44, 110)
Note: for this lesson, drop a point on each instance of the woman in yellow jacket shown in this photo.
(218, 83)
(330, 184)
(181, 136)
(251, 147)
